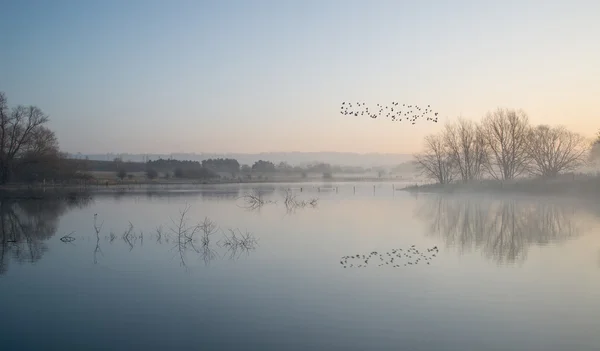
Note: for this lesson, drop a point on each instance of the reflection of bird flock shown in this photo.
(396, 111)
(395, 258)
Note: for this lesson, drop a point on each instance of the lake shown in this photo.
(363, 268)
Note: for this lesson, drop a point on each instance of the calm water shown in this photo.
(508, 273)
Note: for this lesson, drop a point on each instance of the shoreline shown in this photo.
(587, 186)
(39, 191)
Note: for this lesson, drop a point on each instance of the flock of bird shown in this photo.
(395, 111)
(395, 258)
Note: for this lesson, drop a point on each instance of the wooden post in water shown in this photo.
(300, 189)
(373, 189)
(355, 189)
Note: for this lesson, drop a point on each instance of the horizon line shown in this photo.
(237, 153)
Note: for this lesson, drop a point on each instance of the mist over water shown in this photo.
(511, 272)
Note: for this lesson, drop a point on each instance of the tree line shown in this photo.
(30, 152)
(211, 168)
(502, 146)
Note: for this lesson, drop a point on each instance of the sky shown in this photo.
(148, 76)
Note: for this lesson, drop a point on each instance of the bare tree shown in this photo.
(436, 162)
(595, 150)
(505, 132)
(121, 173)
(553, 150)
(18, 130)
(466, 146)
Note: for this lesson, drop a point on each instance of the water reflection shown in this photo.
(25, 225)
(206, 239)
(256, 199)
(395, 258)
(503, 230)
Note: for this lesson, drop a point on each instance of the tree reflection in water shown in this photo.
(502, 229)
(25, 225)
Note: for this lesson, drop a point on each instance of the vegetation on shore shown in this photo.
(30, 155)
(504, 152)
(567, 184)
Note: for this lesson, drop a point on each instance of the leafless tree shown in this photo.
(19, 128)
(553, 150)
(435, 162)
(595, 150)
(505, 132)
(466, 146)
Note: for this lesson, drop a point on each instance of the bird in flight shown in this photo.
(395, 111)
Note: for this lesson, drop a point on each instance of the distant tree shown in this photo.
(595, 150)
(320, 168)
(554, 150)
(435, 162)
(151, 173)
(121, 173)
(297, 169)
(228, 165)
(200, 173)
(284, 167)
(467, 146)
(505, 132)
(246, 169)
(263, 166)
(178, 173)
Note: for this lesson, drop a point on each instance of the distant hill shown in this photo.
(293, 158)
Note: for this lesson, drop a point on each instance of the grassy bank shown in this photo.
(566, 185)
(176, 181)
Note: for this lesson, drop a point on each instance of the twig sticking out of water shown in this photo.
(292, 203)
(97, 229)
(67, 238)
(128, 236)
(208, 254)
(159, 234)
(208, 228)
(254, 200)
(185, 236)
(239, 242)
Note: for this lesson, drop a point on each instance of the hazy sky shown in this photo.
(251, 76)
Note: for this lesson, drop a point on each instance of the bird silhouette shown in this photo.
(393, 111)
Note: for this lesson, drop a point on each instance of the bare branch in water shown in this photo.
(292, 203)
(97, 229)
(159, 234)
(128, 236)
(67, 238)
(238, 242)
(254, 200)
